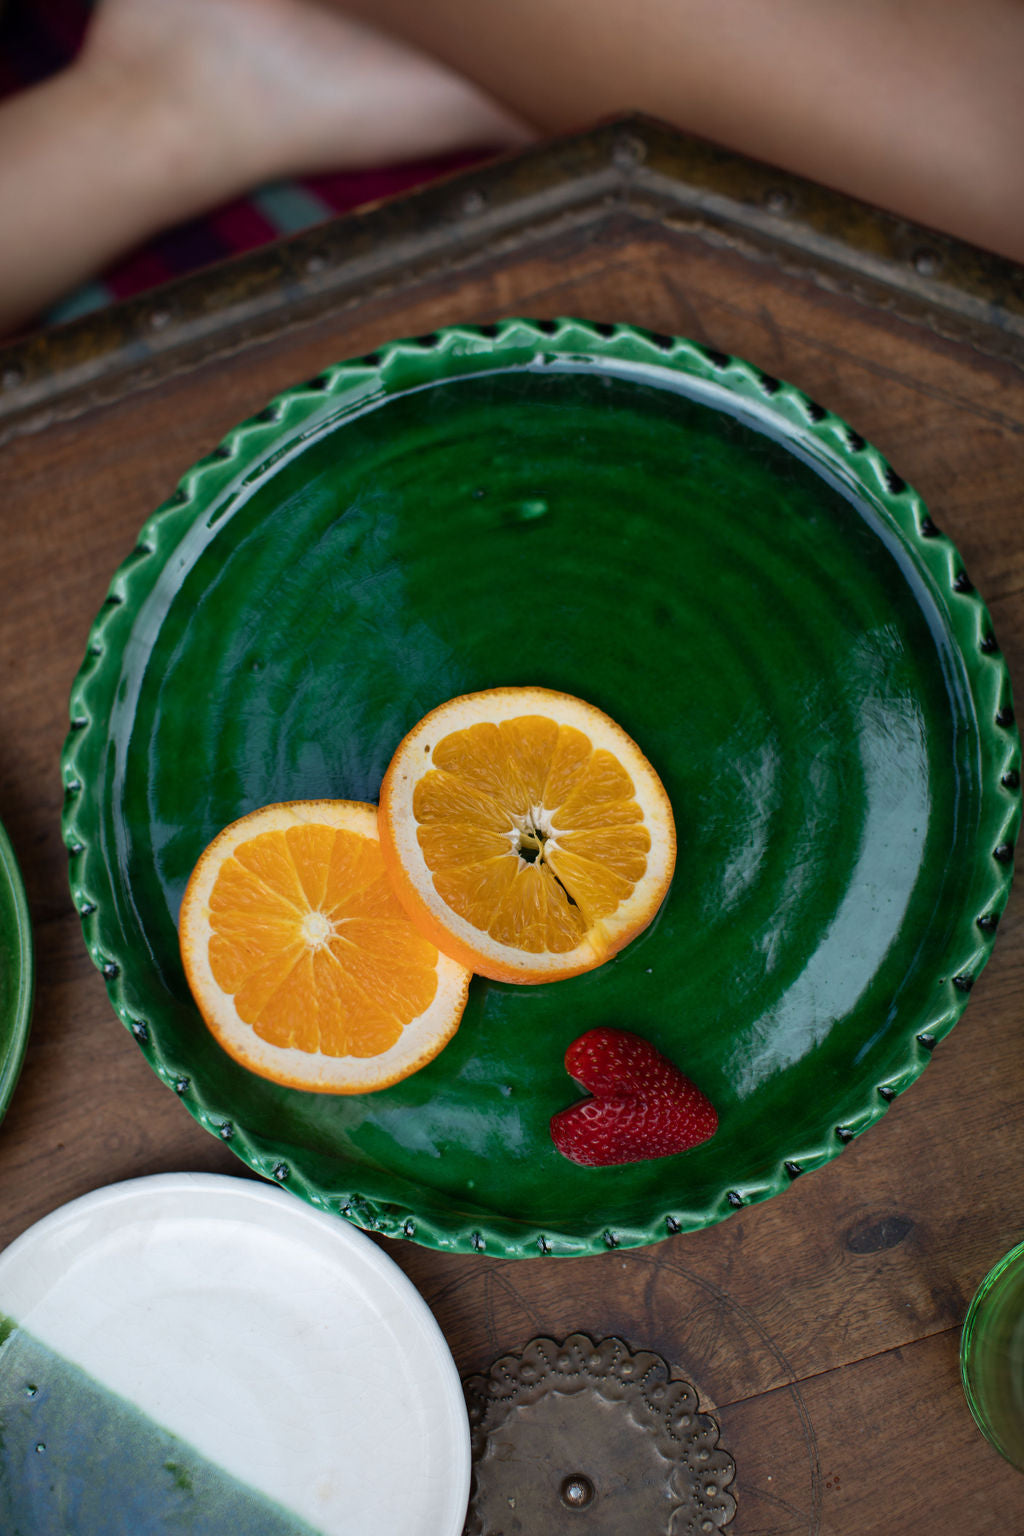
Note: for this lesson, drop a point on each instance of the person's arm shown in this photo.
(914, 105)
(177, 105)
(88, 167)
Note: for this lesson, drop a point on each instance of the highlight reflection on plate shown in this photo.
(17, 971)
(204, 1354)
(720, 565)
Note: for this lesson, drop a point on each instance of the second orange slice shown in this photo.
(526, 833)
(302, 961)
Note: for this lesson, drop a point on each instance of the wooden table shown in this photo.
(823, 1326)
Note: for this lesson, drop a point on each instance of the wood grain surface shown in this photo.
(822, 1327)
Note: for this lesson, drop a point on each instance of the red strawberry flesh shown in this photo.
(642, 1105)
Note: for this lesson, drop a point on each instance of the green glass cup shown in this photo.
(992, 1356)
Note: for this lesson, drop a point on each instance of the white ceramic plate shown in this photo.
(205, 1354)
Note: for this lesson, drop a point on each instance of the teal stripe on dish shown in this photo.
(290, 207)
(84, 300)
(77, 1460)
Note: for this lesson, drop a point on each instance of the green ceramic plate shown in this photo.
(701, 551)
(17, 974)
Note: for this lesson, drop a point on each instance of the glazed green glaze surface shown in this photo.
(17, 972)
(700, 551)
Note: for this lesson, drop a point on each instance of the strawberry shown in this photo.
(642, 1105)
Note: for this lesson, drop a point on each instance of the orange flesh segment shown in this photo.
(309, 938)
(532, 787)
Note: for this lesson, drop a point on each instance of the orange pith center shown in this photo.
(309, 939)
(530, 833)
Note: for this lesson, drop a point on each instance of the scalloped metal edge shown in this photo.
(251, 451)
(661, 1405)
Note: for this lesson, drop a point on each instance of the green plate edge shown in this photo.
(252, 450)
(17, 951)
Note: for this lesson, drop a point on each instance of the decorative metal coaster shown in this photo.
(592, 1438)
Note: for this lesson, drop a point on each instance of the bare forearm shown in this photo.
(88, 168)
(176, 105)
(916, 105)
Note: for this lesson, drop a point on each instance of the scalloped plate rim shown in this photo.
(252, 451)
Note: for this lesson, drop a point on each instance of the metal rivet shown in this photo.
(577, 1491)
(926, 263)
(628, 152)
(778, 200)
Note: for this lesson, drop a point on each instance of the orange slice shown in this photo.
(526, 833)
(302, 961)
